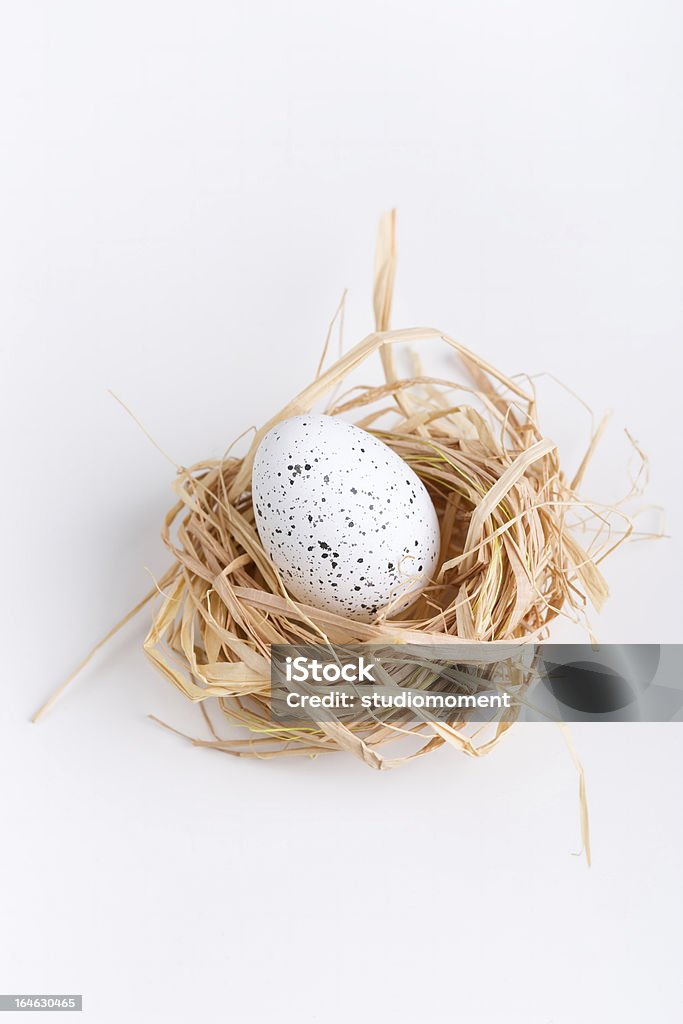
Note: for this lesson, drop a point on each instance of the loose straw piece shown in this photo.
(54, 697)
(583, 799)
(385, 271)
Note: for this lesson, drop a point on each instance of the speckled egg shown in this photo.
(347, 522)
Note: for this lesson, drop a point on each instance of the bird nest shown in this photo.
(519, 546)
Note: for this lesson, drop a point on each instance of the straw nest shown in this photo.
(519, 546)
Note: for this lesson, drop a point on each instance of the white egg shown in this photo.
(347, 522)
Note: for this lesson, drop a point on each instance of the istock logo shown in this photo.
(302, 670)
(532, 682)
(599, 680)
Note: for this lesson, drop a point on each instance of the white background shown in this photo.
(186, 189)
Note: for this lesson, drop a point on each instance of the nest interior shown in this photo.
(519, 547)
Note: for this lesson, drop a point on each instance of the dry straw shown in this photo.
(519, 546)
